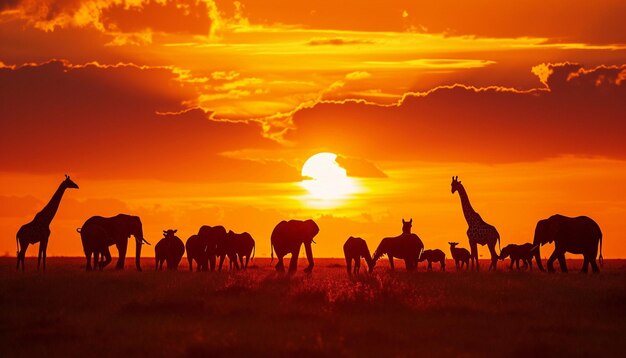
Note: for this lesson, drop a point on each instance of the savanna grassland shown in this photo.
(66, 311)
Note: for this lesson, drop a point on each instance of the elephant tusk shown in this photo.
(534, 248)
(144, 240)
(313, 241)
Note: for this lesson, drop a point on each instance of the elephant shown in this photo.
(353, 249)
(226, 247)
(203, 247)
(524, 252)
(195, 252)
(288, 237)
(244, 247)
(98, 233)
(435, 255)
(406, 246)
(170, 249)
(577, 235)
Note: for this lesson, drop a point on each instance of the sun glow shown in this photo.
(326, 181)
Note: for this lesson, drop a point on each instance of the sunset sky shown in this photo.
(193, 112)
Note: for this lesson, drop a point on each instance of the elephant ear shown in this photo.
(313, 228)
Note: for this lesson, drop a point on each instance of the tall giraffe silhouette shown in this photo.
(478, 232)
(38, 230)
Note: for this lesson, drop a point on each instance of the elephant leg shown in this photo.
(107, 258)
(247, 259)
(585, 267)
(551, 260)
(212, 260)
(517, 264)
(233, 261)
(530, 265)
(511, 265)
(280, 266)
(88, 264)
(357, 265)
(594, 265)
(562, 262)
(525, 262)
(121, 248)
(241, 262)
(293, 263)
(221, 262)
(349, 265)
(190, 261)
(430, 266)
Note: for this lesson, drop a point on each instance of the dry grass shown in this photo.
(66, 311)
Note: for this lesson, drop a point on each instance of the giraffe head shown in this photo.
(456, 184)
(68, 183)
(406, 226)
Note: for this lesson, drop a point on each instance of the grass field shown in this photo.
(68, 312)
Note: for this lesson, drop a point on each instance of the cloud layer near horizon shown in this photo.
(104, 121)
(578, 113)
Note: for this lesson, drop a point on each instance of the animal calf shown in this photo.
(435, 255)
(524, 252)
(354, 249)
(461, 256)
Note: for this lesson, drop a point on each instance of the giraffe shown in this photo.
(38, 230)
(478, 232)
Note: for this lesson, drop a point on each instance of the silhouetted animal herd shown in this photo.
(577, 235)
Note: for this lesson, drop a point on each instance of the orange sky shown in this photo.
(193, 112)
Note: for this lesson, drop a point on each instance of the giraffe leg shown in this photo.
(474, 254)
(39, 255)
(44, 250)
(494, 256)
(21, 255)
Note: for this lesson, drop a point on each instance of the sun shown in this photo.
(326, 180)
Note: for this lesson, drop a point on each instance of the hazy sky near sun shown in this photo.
(192, 112)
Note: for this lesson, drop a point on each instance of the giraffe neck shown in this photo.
(468, 211)
(46, 214)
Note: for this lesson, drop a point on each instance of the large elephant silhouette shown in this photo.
(195, 252)
(209, 238)
(288, 237)
(578, 235)
(406, 246)
(244, 247)
(169, 249)
(226, 247)
(98, 233)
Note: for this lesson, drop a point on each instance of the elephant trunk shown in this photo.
(368, 259)
(309, 255)
(138, 244)
(538, 256)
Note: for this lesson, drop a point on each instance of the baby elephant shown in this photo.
(523, 252)
(435, 255)
(170, 249)
(460, 256)
(354, 249)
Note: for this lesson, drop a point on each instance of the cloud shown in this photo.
(121, 121)
(338, 41)
(578, 113)
(358, 75)
(358, 167)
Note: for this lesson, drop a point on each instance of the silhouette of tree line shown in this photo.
(577, 235)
